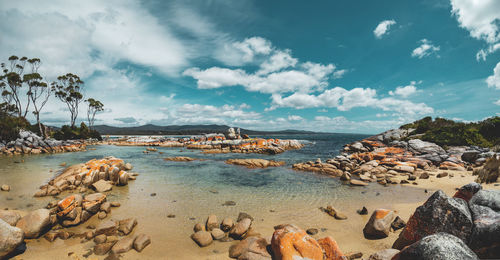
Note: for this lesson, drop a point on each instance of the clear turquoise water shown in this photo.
(193, 190)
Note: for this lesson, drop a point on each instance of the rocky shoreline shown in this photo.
(30, 143)
(86, 186)
(390, 158)
(214, 143)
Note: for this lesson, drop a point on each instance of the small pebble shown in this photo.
(152, 194)
(171, 216)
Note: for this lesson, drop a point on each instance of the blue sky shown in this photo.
(335, 66)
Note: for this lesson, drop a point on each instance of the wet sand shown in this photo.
(171, 236)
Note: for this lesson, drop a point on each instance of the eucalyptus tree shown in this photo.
(94, 107)
(12, 83)
(38, 91)
(68, 89)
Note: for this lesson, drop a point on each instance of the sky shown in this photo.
(333, 66)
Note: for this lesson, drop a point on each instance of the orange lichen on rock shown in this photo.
(290, 242)
(381, 213)
(331, 249)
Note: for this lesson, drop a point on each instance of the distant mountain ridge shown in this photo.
(151, 129)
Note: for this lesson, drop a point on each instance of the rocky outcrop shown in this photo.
(180, 159)
(10, 238)
(439, 213)
(96, 174)
(255, 163)
(30, 143)
(437, 246)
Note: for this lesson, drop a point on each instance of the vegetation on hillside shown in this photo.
(24, 89)
(442, 131)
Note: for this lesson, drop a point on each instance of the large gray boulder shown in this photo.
(439, 213)
(35, 223)
(10, 238)
(419, 147)
(470, 156)
(439, 246)
(485, 238)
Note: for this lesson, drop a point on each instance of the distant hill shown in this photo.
(184, 130)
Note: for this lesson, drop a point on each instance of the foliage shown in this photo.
(73, 133)
(448, 132)
(68, 89)
(94, 107)
(10, 124)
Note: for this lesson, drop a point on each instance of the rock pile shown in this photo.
(388, 159)
(470, 219)
(231, 142)
(30, 143)
(99, 175)
(288, 242)
(227, 230)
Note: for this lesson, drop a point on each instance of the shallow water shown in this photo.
(193, 190)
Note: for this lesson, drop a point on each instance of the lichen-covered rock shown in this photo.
(467, 191)
(439, 213)
(35, 223)
(290, 242)
(331, 249)
(379, 224)
(437, 246)
(10, 238)
(255, 163)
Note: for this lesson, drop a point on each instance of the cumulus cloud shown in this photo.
(480, 18)
(239, 53)
(345, 100)
(494, 80)
(383, 28)
(200, 114)
(426, 48)
(405, 91)
(497, 102)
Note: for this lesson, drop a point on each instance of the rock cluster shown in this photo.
(255, 163)
(387, 158)
(231, 142)
(99, 175)
(227, 230)
(30, 143)
(470, 221)
(489, 172)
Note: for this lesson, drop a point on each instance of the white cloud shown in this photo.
(494, 80)
(238, 53)
(426, 48)
(481, 19)
(483, 53)
(295, 118)
(405, 91)
(345, 100)
(497, 102)
(203, 114)
(383, 28)
(279, 60)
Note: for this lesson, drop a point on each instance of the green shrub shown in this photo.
(448, 132)
(74, 133)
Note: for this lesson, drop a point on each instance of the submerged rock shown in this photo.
(255, 163)
(437, 246)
